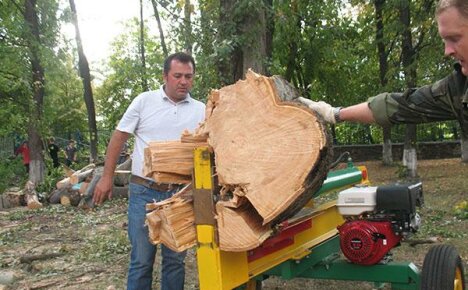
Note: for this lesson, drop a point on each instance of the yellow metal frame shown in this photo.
(227, 270)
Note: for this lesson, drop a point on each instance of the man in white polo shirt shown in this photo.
(160, 115)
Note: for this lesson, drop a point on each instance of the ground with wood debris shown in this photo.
(59, 247)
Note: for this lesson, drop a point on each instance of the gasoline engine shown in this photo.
(377, 219)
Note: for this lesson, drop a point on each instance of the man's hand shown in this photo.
(103, 190)
(323, 109)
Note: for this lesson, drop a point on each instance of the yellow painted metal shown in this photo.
(202, 168)
(325, 219)
(219, 270)
(216, 269)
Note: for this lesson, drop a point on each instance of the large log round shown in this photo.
(270, 152)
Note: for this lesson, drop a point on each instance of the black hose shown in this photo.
(340, 159)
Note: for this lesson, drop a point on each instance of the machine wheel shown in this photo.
(442, 269)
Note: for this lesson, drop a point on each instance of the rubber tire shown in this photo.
(442, 266)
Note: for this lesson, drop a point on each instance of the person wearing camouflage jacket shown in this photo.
(446, 99)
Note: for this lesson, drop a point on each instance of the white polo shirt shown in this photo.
(152, 116)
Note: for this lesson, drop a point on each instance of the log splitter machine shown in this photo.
(349, 238)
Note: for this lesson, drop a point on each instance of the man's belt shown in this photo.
(162, 187)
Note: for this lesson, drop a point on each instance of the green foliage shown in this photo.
(50, 180)
(12, 173)
(461, 210)
(327, 49)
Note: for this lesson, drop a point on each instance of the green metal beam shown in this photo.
(340, 178)
(324, 263)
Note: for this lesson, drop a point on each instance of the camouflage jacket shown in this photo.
(446, 99)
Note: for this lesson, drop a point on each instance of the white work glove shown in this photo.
(323, 109)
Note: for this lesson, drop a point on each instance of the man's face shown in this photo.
(178, 80)
(453, 28)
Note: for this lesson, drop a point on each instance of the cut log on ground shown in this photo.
(271, 155)
(122, 173)
(30, 195)
(86, 201)
(13, 197)
(76, 176)
(56, 195)
(72, 198)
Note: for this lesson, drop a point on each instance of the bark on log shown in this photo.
(13, 197)
(72, 198)
(55, 196)
(122, 173)
(80, 176)
(86, 201)
(30, 195)
(76, 176)
(271, 155)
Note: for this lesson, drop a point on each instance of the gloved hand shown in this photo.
(323, 109)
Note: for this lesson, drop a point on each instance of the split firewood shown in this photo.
(30, 195)
(171, 222)
(170, 162)
(271, 155)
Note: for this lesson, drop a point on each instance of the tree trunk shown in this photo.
(36, 165)
(387, 156)
(271, 156)
(144, 81)
(161, 32)
(187, 27)
(464, 147)
(88, 92)
(408, 59)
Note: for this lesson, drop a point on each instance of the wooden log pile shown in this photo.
(76, 189)
(271, 155)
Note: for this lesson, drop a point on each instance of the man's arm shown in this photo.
(360, 113)
(103, 188)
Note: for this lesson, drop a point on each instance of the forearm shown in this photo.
(360, 113)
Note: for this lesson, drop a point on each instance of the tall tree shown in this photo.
(87, 89)
(188, 8)
(144, 80)
(160, 29)
(36, 169)
(383, 69)
(243, 38)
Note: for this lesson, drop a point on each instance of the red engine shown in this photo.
(367, 242)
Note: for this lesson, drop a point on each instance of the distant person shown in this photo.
(53, 151)
(23, 149)
(70, 153)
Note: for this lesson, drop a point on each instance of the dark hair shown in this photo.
(460, 5)
(180, 56)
